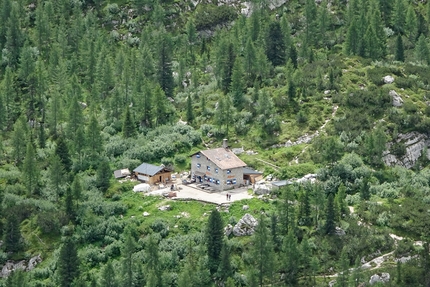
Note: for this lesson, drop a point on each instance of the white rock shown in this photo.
(245, 207)
(397, 100)
(164, 208)
(388, 79)
(145, 214)
(245, 226)
(376, 278)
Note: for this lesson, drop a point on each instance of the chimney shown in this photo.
(225, 143)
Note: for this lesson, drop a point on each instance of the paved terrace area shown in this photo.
(191, 192)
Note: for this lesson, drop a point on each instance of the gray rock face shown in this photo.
(245, 226)
(397, 100)
(245, 207)
(11, 266)
(379, 278)
(388, 79)
(414, 142)
(228, 229)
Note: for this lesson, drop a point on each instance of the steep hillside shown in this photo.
(334, 88)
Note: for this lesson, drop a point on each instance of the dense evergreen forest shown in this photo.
(91, 86)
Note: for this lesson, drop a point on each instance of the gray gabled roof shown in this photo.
(248, 170)
(149, 169)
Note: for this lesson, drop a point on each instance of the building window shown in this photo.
(198, 165)
(228, 182)
(198, 155)
(228, 171)
(234, 181)
(217, 182)
(208, 168)
(216, 170)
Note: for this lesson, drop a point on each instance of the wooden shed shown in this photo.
(152, 174)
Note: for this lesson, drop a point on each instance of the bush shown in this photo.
(210, 15)
(180, 159)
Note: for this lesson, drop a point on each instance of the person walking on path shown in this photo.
(226, 196)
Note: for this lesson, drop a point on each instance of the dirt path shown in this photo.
(317, 133)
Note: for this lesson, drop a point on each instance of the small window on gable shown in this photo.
(228, 171)
(216, 170)
(198, 165)
(208, 168)
(198, 155)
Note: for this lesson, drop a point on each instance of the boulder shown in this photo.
(245, 207)
(245, 226)
(228, 229)
(388, 79)
(145, 214)
(379, 278)
(414, 143)
(397, 101)
(164, 208)
(33, 262)
(339, 231)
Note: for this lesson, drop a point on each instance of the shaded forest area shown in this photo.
(89, 86)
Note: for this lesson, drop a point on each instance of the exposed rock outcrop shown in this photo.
(397, 100)
(11, 266)
(388, 79)
(245, 226)
(379, 278)
(414, 143)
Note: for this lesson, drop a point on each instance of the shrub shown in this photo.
(180, 159)
(210, 15)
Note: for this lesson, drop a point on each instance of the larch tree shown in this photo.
(422, 53)
(103, 175)
(56, 172)
(153, 265)
(238, 85)
(31, 171)
(214, 240)
(263, 253)
(225, 268)
(127, 262)
(93, 137)
(398, 17)
(14, 37)
(411, 23)
(108, 278)
(290, 256)
(19, 143)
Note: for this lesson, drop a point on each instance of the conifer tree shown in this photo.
(128, 128)
(108, 278)
(293, 56)
(14, 37)
(12, 234)
(330, 215)
(68, 263)
(56, 172)
(411, 23)
(31, 171)
(147, 98)
(160, 107)
(153, 268)
(127, 264)
(74, 119)
(20, 131)
(250, 60)
(275, 44)
(7, 89)
(54, 113)
(343, 277)
(93, 137)
(103, 175)
(190, 112)
(225, 269)
(398, 16)
(214, 240)
(76, 189)
(237, 84)
(290, 258)
(422, 53)
(399, 53)
(62, 151)
(69, 206)
(3, 119)
(165, 77)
